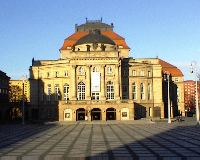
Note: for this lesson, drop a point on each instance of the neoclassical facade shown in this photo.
(95, 79)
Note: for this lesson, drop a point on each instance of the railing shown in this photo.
(95, 101)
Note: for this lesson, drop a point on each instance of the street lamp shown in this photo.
(168, 99)
(167, 74)
(193, 70)
(23, 113)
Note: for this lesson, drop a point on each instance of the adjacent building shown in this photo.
(21, 85)
(190, 95)
(95, 79)
(4, 100)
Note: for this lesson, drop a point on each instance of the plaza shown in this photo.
(142, 139)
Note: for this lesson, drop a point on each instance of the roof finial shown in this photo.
(86, 19)
(101, 19)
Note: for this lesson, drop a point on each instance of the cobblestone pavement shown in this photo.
(101, 140)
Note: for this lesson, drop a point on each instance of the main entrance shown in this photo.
(111, 114)
(95, 114)
(80, 114)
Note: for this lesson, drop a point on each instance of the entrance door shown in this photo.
(111, 114)
(80, 114)
(96, 114)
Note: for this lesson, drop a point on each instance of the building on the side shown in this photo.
(190, 95)
(4, 100)
(20, 84)
(95, 79)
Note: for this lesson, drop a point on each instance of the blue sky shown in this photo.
(169, 29)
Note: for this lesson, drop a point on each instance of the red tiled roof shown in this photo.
(71, 40)
(173, 70)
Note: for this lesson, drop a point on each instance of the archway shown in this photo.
(80, 114)
(111, 114)
(96, 114)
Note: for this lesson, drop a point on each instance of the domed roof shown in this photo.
(95, 36)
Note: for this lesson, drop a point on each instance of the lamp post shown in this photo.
(168, 99)
(193, 70)
(23, 112)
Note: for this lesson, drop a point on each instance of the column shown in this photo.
(73, 84)
(120, 81)
(88, 83)
(116, 82)
(103, 91)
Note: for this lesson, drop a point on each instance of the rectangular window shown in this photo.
(149, 91)
(95, 96)
(57, 92)
(66, 92)
(134, 91)
(142, 95)
(134, 73)
(149, 73)
(66, 73)
(56, 74)
(48, 74)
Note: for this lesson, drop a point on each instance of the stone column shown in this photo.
(120, 81)
(88, 83)
(73, 84)
(103, 92)
(116, 82)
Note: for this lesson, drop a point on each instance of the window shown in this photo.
(176, 79)
(81, 71)
(95, 96)
(81, 91)
(56, 74)
(57, 92)
(149, 91)
(134, 72)
(142, 96)
(66, 73)
(66, 92)
(109, 70)
(48, 74)
(149, 73)
(110, 90)
(134, 91)
(49, 92)
(124, 90)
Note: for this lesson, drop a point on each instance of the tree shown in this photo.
(15, 98)
(15, 93)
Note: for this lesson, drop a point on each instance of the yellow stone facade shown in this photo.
(19, 83)
(95, 79)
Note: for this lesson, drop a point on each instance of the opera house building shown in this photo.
(95, 79)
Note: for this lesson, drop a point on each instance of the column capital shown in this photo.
(74, 66)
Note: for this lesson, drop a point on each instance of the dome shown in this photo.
(95, 37)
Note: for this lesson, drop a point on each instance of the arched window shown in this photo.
(134, 91)
(66, 92)
(81, 91)
(142, 96)
(149, 91)
(81, 71)
(110, 90)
